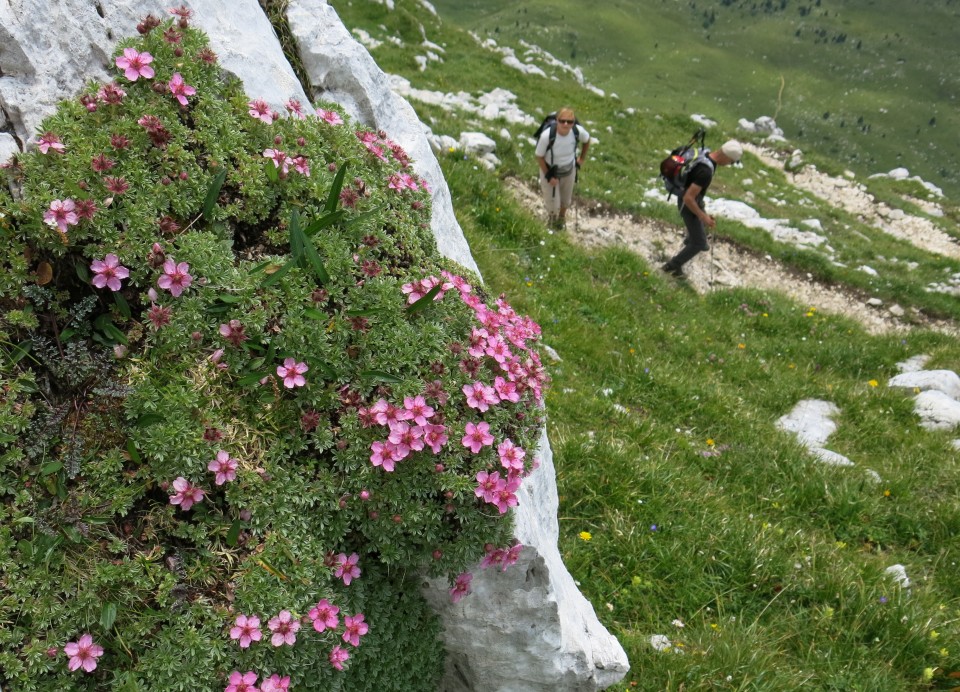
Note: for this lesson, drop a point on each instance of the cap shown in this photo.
(732, 149)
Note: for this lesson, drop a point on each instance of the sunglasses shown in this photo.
(565, 122)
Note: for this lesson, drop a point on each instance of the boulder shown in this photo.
(945, 381)
(937, 411)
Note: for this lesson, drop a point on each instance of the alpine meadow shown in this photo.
(723, 550)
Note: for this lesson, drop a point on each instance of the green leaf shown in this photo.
(19, 351)
(234, 533)
(6, 438)
(83, 271)
(315, 314)
(122, 305)
(105, 324)
(108, 615)
(251, 378)
(50, 468)
(279, 274)
(380, 376)
(333, 197)
(302, 248)
(229, 298)
(425, 301)
(323, 222)
(149, 419)
(271, 171)
(66, 334)
(213, 193)
(132, 451)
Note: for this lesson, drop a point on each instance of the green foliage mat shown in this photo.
(245, 401)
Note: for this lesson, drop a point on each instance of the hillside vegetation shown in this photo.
(865, 82)
(719, 551)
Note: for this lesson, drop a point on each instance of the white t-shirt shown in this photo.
(563, 155)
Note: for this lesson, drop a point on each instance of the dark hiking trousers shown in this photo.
(694, 243)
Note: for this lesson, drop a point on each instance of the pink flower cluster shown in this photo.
(502, 557)
(378, 145)
(282, 161)
(410, 430)
(402, 181)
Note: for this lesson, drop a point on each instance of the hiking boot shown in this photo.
(675, 272)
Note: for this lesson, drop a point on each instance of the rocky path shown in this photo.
(727, 265)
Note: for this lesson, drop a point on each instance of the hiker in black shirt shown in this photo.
(691, 204)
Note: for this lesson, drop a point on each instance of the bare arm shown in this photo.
(583, 154)
(690, 202)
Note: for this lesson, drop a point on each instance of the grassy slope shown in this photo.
(881, 96)
(661, 419)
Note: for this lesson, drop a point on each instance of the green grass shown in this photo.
(864, 82)
(663, 407)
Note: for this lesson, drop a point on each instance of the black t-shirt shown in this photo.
(702, 175)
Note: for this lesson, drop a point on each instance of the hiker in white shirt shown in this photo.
(559, 163)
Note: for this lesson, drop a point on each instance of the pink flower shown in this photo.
(418, 406)
(62, 213)
(275, 683)
(477, 436)
(301, 165)
(224, 466)
(135, 65)
(505, 496)
(406, 438)
(435, 436)
(338, 657)
(324, 615)
(292, 373)
(506, 390)
(295, 108)
(180, 89)
(280, 159)
(175, 277)
(187, 494)
(347, 568)
(233, 332)
(246, 630)
(385, 454)
(49, 141)
(511, 456)
(488, 485)
(480, 396)
(108, 272)
(331, 117)
(461, 586)
(100, 163)
(83, 653)
(261, 111)
(116, 185)
(353, 628)
(111, 94)
(242, 682)
(284, 627)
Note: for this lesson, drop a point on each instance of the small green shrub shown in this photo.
(243, 397)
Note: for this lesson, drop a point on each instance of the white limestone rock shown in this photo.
(811, 420)
(937, 411)
(528, 629)
(946, 381)
(477, 143)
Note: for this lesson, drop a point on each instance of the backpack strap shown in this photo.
(553, 138)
